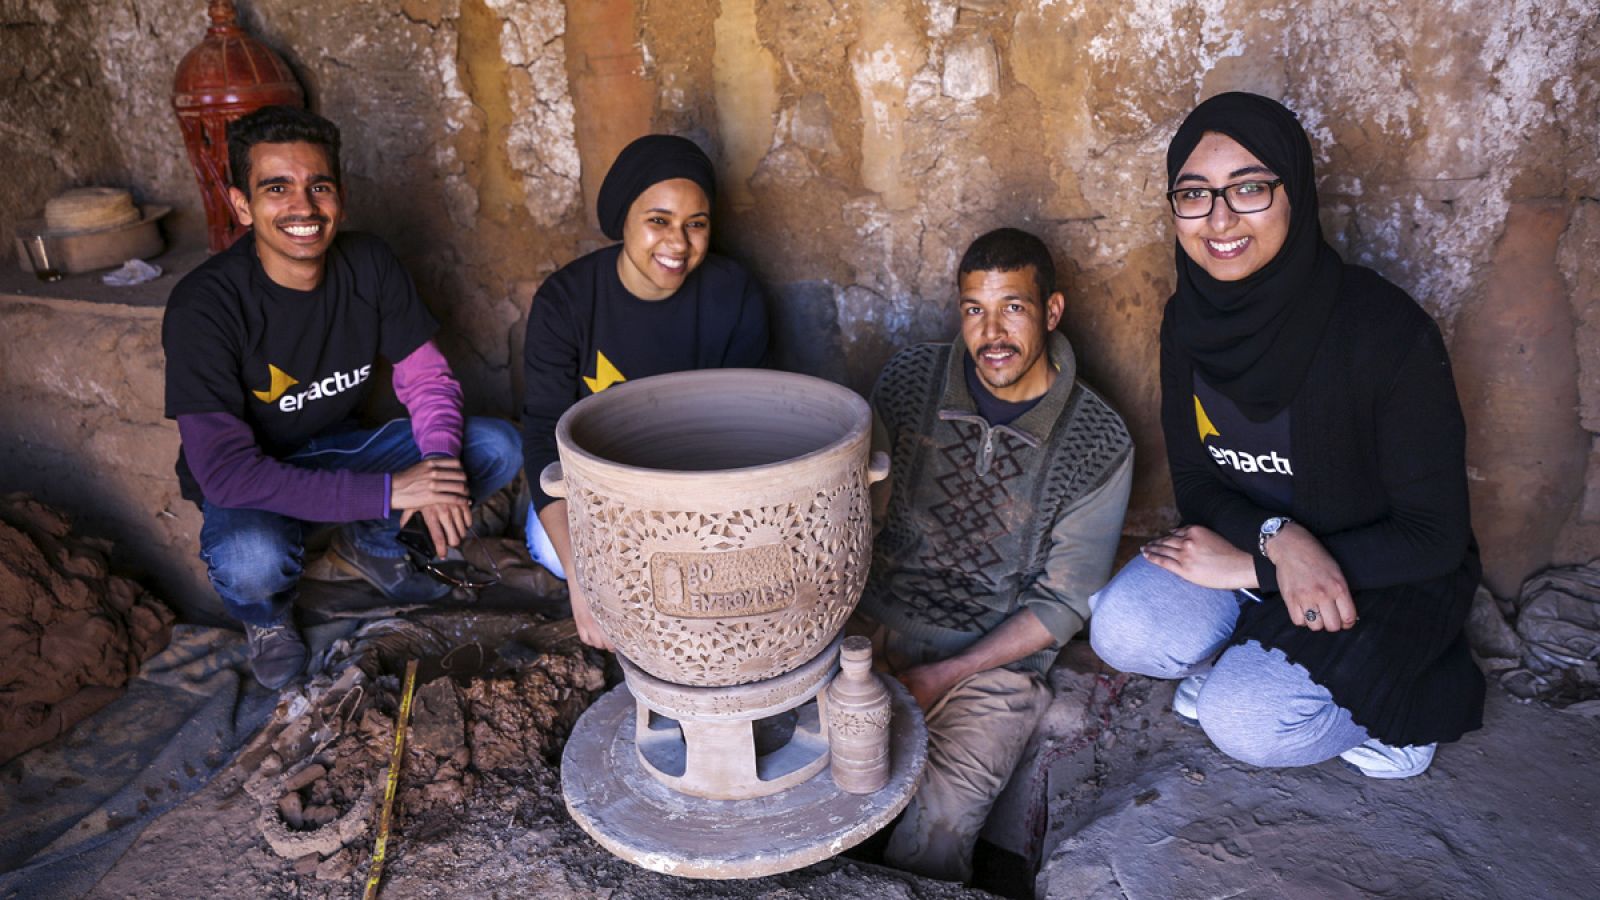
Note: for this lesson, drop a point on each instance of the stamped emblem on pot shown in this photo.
(726, 584)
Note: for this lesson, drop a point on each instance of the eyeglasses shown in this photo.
(475, 569)
(1243, 198)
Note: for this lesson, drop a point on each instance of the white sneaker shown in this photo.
(1376, 759)
(1186, 700)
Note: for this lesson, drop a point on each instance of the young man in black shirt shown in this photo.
(270, 348)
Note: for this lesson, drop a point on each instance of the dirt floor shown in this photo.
(512, 840)
(1130, 802)
(1509, 812)
(479, 810)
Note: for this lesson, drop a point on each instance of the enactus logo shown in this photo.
(280, 382)
(1269, 463)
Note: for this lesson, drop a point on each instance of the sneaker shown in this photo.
(1186, 700)
(277, 653)
(394, 577)
(1376, 759)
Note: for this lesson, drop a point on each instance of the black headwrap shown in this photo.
(1253, 339)
(650, 160)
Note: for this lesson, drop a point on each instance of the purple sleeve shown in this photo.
(234, 473)
(432, 395)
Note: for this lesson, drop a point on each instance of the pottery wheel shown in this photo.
(641, 820)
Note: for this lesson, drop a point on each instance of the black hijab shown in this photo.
(650, 160)
(1253, 339)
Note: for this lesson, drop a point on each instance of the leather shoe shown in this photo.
(277, 653)
(394, 577)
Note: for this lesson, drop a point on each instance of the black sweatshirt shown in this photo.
(1379, 450)
(586, 332)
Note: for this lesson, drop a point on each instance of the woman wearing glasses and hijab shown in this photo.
(659, 301)
(1314, 598)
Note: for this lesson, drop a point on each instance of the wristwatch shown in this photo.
(1270, 529)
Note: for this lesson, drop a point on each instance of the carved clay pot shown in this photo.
(720, 522)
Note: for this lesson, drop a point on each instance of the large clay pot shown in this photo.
(720, 522)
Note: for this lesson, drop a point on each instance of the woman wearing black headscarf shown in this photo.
(1314, 598)
(657, 302)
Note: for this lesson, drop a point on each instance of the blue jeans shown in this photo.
(539, 545)
(1255, 705)
(254, 557)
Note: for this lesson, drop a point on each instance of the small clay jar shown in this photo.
(858, 721)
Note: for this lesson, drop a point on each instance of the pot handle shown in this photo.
(551, 482)
(878, 467)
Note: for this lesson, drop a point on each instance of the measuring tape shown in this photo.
(381, 846)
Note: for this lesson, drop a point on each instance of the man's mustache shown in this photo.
(988, 348)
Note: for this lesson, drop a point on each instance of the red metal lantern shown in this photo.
(226, 75)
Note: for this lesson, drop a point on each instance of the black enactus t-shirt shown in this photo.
(587, 332)
(290, 364)
(1252, 456)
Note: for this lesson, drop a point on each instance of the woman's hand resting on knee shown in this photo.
(1310, 579)
(1200, 556)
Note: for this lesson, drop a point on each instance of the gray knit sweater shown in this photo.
(985, 520)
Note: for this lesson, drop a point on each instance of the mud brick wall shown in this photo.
(81, 415)
(861, 145)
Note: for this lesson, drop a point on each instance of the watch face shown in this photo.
(1270, 528)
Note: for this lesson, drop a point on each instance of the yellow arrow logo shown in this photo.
(1202, 422)
(281, 381)
(605, 374)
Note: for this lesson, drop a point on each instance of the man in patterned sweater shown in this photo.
(1009, 482)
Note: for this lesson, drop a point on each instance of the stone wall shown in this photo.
(862, 144)
(54, 109)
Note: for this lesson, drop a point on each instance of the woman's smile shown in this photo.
(1230, 246)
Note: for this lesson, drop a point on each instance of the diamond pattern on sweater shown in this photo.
(1098, 440)
(970, 511)
(941, 599)
(957, 547)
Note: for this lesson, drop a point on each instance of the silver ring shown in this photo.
(1311, 615)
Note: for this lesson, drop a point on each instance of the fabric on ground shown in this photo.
(71, 808)
(1557, 636)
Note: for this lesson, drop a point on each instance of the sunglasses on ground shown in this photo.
(475, 569)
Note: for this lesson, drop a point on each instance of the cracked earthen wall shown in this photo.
(863, 144)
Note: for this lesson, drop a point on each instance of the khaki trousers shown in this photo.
(976, 735)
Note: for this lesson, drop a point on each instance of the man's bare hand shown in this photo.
(928, 683)
(448, 524)
(436, 488)
(430, 482)
(588, 629)
(1310, 579)
(1202, 557)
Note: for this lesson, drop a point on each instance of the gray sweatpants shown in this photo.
(1256, 706)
